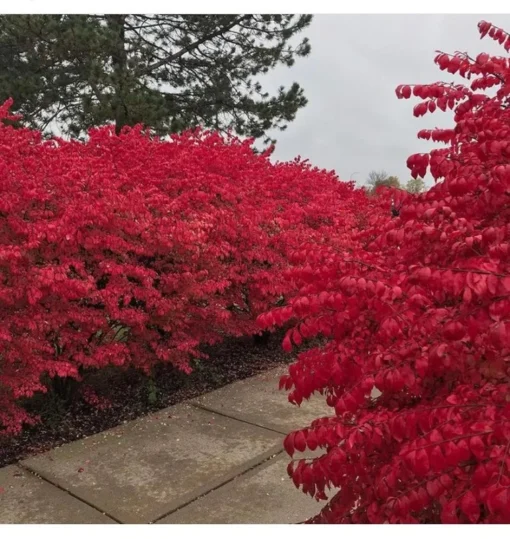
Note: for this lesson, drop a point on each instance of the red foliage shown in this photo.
(131, 250)
(416, 311)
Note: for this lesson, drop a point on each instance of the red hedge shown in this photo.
(417, 307)
(131, 250)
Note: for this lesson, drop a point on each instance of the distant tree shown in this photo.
(379, 178)
(375, 177)
(415, 185)
(169, 72)
(392, 181)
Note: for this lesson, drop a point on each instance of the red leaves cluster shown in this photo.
(415, 315)
(132, 250)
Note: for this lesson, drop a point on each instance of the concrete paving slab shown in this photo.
(257, 400)
(142, 470)
(27, 499)
(265, 495)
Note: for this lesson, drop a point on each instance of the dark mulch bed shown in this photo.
(132, 394)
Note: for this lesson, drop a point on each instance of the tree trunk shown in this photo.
(119, 64)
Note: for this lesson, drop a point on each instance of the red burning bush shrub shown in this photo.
(131, 250)
(417, 307)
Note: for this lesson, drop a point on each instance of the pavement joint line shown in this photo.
(56, 485)
(275, 453)
(211, 410)
(219, 486)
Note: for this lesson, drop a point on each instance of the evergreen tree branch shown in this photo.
(194, 45)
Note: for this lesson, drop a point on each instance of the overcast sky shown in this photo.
(354, 122)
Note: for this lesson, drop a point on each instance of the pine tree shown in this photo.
(168, 72)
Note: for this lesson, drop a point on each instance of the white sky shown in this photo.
(354, 121)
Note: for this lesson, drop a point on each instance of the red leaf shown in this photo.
(470, 507)
(481, 476)
(463, 450)
(451, 452)
(467, 296)
(311, 440)
(437, 459)
(498, 499)
(434, 489)
(483, 28)
(482, 58)
(288, 444)
(287, 345)
(336, 459)
(422, 464)
(446, 481)
(297, 337)
(454, 331)
(300, 441)
(307, 478)
(477, 447)
(449, 513)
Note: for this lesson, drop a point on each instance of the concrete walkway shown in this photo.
(217, 459)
